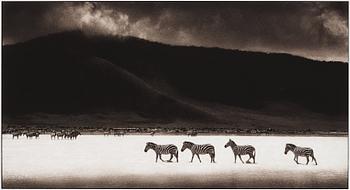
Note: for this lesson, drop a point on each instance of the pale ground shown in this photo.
(94, 161)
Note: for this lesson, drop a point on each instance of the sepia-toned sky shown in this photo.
(317, 30)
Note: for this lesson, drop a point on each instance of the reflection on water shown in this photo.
(109, 161)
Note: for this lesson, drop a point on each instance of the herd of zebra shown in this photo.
(65, 135)
(27, 134)
(238, 150)
(54, 135)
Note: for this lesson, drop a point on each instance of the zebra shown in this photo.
(241, 150)
(163, 149)
(66, 134)
(119, 133)
(74, 134)
(199, 149)
(53, 135)
(300, 151)
(106, 133)
(192, 133)
(59, 134)
(17, 135)
(33, 134)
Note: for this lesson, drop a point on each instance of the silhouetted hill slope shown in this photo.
(71, 72)
(84, 83)
(245, 79)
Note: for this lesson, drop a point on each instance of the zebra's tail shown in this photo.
(213, 155)
(254, 154)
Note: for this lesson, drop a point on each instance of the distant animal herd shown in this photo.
(238, 150)
(196, 149)
(54, 135)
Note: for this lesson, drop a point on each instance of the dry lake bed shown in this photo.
(97, 161)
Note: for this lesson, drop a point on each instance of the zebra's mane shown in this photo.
(232, 142)
(188, 142)
(151, 143)
(291, 145)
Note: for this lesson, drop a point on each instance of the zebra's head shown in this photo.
(149, 145)
(185, 145)
(230, 143)
(289, 147)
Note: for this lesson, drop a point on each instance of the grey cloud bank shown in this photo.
(317, 30)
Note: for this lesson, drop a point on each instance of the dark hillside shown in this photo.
(70, 72)
(246, 79)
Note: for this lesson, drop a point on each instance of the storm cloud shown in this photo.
(317, 30)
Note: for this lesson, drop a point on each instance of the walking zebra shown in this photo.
(16, 134)
(241, 150)
(59, 134)
(192, 133)
(300, 151)
(74, 134)
(53, 135)
(119, 133)
(33, 134)
(106, 133)
(199, 149)
(163, 149)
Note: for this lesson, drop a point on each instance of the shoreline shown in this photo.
(213, 134)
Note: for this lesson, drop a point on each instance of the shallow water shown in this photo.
(109, 161)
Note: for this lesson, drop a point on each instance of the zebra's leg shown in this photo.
(240, 158)
(160, 156)
(192, 157)
(156, 157)
(171, 157)
(314, 159)
(296, 159)
(235, 157)
(250, 157)
(212, 156)
(307, 160)
(177, 156)
(199, 158)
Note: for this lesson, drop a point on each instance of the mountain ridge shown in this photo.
(77, 33)
(228, 77)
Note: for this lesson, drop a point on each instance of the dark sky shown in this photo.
(317, 30)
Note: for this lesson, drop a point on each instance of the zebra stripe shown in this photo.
(199, 149)
(300, 151)
(241, 150)
(163, 149)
